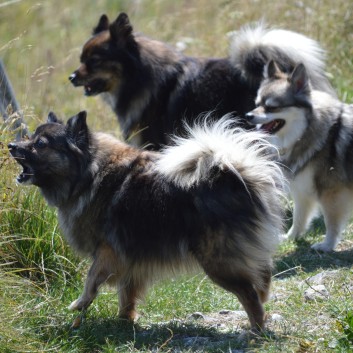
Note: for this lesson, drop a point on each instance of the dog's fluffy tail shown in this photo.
(220, 144)
(253, 46)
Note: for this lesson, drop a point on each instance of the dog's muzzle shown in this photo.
(13, 148)
(249, 118)
(73, 78)
(76, 79)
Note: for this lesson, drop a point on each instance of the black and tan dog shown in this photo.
(210, 201)
(152, 87)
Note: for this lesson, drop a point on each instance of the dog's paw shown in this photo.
(130, 315)
(290, 236)
(295, 233)
(75, 305)
(79, 304)
(322, 247)
(282, 238)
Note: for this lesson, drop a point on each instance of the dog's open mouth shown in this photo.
(273, 126)
(92, 86)
(95, 87)
(26, 175)
(89, 91)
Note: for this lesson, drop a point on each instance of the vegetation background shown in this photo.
(40, 44)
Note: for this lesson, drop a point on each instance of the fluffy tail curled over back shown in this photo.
(218, 144)
(253, 46)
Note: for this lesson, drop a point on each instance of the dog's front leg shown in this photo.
(104, 267)
(304, 204)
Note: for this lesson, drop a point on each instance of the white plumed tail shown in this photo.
(253, 46)
(219, 144)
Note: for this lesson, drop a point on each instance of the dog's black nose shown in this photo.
(72, 77)
(249, 116)
(12, 146)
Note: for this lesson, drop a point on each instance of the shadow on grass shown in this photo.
(111, 334)
(303, 258)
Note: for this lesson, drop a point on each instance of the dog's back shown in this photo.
(202, 190)
(152, 87)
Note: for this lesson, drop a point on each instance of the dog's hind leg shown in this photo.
(243, 288)
(130, 291)
(263, 290)
(336, 207)
(104, 268)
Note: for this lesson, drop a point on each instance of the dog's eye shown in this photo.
(94, 61)
(40, 143)
(272, 109)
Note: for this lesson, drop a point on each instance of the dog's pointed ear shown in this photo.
(299, 80)
(271, 70)
(121, 30)
(103, 25)
(52, 118)
(77, 130)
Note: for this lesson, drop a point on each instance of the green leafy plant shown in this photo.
(345, 325)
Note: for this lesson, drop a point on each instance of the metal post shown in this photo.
(12, 116)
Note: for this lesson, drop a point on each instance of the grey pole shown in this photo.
(7, 98)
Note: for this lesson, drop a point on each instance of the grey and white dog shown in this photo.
(313, 132)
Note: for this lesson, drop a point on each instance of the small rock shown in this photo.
(237, 314)
(316, 292)
(333, 344)
(196, 316)
(276, 318)
(200, 316)
(278, 296)
(319, 277)
(225, 312)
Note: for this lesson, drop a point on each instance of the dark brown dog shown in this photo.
(211, 201)
(152, 87)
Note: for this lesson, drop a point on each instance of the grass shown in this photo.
(346, 326)
(39, 274)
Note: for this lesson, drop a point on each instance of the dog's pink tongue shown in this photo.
(268, 127)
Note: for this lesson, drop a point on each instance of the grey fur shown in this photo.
(313, 132)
